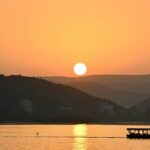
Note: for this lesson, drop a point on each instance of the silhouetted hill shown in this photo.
(28, 99)
(123, 98)
(142, 110)
(130, 89)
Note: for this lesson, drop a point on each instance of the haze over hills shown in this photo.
(123, 98)
(132, 83)
(28, 99)
(126, 90)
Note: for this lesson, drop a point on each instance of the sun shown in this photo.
(80, 69)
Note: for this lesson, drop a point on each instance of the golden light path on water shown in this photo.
(79, 132)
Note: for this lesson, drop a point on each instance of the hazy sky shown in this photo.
(47, 37)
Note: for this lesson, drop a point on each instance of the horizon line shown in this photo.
(63, 76)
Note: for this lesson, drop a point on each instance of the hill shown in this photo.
(132, 83)
(123, 98)
(29, 99)
(125, 90)
(142, 110)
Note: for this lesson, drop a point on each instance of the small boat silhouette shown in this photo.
(138, 133)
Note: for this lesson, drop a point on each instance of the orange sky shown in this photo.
(47, 37)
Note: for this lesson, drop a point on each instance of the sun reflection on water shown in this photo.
(80, 133)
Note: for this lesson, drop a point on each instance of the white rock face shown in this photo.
(27, 105)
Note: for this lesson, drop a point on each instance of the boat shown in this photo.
(138, 133)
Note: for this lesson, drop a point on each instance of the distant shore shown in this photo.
(62, 123)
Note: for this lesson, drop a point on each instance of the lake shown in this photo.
(69, 137)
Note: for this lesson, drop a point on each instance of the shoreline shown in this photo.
(56, 123)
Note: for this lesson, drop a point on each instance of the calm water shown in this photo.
(68, 137)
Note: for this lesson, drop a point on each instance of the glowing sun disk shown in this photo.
(80, 69)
